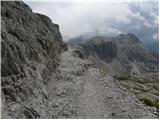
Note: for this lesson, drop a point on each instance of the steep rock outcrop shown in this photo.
(127, 60)
(116, 54)
(107, 51)
(30, 45)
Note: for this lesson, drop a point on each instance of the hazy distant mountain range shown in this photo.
(153, 46)
(119, 53)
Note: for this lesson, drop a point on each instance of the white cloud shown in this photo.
(156, 36)
(79, 18)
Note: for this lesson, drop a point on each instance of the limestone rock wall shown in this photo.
(30, 46)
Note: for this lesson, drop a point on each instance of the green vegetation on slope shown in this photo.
(146, 89)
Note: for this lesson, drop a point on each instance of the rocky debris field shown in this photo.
(42, 77)
(78, 89)
(145, 87)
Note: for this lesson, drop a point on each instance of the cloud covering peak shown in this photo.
(103, 18)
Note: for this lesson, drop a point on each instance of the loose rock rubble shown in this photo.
(91, 94)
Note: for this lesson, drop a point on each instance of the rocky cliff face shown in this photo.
(126, 59)
(43, 78)
(120, 54)
(30, 45)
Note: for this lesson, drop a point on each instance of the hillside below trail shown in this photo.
(78, 89)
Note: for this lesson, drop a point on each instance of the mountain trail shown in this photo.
(78, 89)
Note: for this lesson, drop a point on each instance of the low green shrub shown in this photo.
(122, 77)
(151, 103)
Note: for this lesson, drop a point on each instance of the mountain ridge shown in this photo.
(43, 77)
(124, 48)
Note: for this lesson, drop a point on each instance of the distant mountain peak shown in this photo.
(129, 38)
(120, 51)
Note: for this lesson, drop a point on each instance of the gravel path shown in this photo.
(78, 89)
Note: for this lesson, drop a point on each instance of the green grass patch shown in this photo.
(122, 77)
(103, 72)
(141, 86)
(154, 103)
(156, 86)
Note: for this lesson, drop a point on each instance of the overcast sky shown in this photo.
(103, 18)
